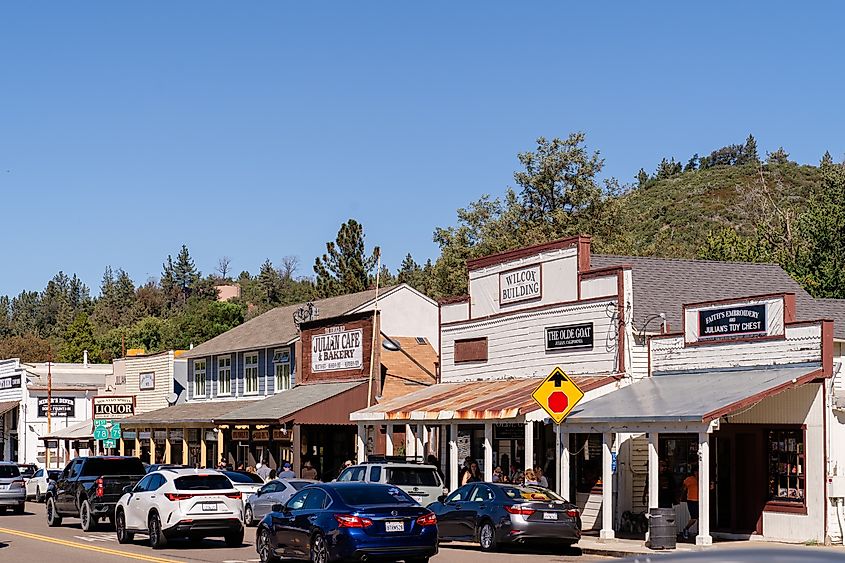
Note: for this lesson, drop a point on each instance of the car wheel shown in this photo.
(53, 518)
(123, 535)
(234, 539)
(157, 538)
(319, 549)
(38, 496)
(19, 508)
(88, 520)
(249, 517)
(264, 547)
(487, 537)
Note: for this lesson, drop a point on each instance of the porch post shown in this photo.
(565, 485)
(418, 443)
(122, 449)
(453, 456)
(388, 439)
(409, 441)
(488, 451)
(529, 445)
(360, 443)
(152, 446)
(167, 445)
(653, 465)
(703, 537)
(219, 443)
(138, 443)
(606, 532)
(185, 446)
(203, 448)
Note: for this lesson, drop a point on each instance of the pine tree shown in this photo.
(184, 271)
(780, 156)
(826, 160)
(78, 338)
(345, 268)
(642, 179)
(692, 163)
(270, 283)
(749, 151)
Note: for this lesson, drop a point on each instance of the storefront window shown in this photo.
(199, 378)
(224, 376)
(251, 373)
(787, 468)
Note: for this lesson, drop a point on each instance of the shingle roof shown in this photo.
(663, 285)
(282, 405)
(207, 411)
(276, 327)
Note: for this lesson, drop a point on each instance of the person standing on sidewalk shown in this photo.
(690, 493)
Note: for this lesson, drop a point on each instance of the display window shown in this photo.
(787, 466)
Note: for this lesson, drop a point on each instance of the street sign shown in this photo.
(101, 433)
(115, 431)
(101, 422)
(109, 444)
(557, 395)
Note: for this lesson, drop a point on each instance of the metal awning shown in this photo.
(470, 400)
(698, 397)
(7, 406)
(80, 431)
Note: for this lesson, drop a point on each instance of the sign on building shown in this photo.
(113, 406)
(569, 337)
(146, 380)
(10, 382)
(337, 349)
(61, 407)
(739, 320)
(521, 284)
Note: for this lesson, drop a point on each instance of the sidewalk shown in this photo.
(591, 545)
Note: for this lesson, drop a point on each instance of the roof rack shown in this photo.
(380, 458)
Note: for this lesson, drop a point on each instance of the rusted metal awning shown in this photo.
(470, 400)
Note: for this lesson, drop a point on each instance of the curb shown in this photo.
(609, 552)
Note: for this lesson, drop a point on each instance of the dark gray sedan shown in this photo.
(496, 513)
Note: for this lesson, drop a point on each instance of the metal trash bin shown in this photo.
(662, 531)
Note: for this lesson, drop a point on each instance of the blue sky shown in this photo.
(253, 130)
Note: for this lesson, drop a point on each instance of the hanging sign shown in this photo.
(113, 406)
(260, 435)
(241, 434)
(738, 320)
(557, 395)
(337, 349)
(569, 337)
(520, 285)
(61, 407)
(280, 435)
(10, 382)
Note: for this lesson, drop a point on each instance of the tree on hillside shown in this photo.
(749, 151)
(345, 267)
(826, 160)
(642, 178)
(78, 338)
(27, 347)
(692, 163)
(780, 156)
(116, 304)
(223, 265)
(419, 277)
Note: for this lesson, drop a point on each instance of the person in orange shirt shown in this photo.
(691, 494)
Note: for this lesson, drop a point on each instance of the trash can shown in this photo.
(662, 532)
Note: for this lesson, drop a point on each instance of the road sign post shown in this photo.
(557, 395)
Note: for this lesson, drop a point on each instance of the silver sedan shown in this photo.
(277, 491)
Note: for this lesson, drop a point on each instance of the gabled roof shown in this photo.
(664, 285)
(276, 327)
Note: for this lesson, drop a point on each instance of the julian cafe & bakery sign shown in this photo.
(337, 349)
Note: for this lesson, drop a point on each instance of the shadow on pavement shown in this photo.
(520, 549)
(186, 544)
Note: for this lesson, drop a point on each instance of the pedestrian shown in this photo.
(497, 475)
(262, 470)
(287, 471)
(222, 465)
(271, 475)
(472, 474)
(250, 469)
(240, 467)
(541, 479)
(530, 477)
(308, 471)
(690, 494)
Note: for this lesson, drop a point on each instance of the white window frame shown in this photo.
(250, 366)
(276, 366)
(197, 372)
(221, 359)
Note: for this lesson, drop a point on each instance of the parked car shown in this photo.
(27, 470)
(495, 513)
(186, 503)
(12, 489)
(348, 521)
(89, 488)
(422, 482)
(277, 491)
(38, 484)
(246, 483)
(160, 466)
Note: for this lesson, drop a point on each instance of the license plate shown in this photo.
(550, 516)
(209, 506)
(394, 526)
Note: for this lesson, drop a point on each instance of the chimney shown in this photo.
(85, 358)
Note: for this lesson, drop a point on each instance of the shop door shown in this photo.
(750, 490)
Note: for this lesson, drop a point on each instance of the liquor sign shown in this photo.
(338, 349)
(569, 337)
(112, 406)
(738, 320)
(61, 407)
(520, 285)
(10, 382)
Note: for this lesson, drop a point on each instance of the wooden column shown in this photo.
(653, 466)
(361, 443)
(418, 442)
(453, 456)
(488, 451)
(167, 445)
(220, 443)
(185, 446)
(152, 446)
(606, 532)
(388, 440)
(138, 443)
(297, 447)
(528, 463)
(203, 448)
(565, 484)
(703, 537)
(121, 446)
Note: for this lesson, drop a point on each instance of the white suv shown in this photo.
(422, 482)
(188, 503)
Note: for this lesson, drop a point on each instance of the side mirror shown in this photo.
(278, 507)
(127, 489)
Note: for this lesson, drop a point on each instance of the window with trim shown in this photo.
(224, 376)
(281, 369)
(251, 373)
(787, 466)
(199, 378)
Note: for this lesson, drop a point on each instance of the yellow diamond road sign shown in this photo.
(557, 395)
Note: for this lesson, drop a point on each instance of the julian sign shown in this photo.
(521, 284)
(337, 349)
(737, 320)
(569, 337)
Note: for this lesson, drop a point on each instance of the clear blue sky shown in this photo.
(253, 129)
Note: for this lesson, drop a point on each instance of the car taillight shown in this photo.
(521, 510)
(572, 513)
(236, 495)
(177, 496)
(100, 491)
(350, 521)
(427, 519)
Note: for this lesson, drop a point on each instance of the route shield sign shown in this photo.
(557, 395)
(109, 444)
(101, 433)
(115, 431)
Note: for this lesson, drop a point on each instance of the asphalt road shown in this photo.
(27, 539)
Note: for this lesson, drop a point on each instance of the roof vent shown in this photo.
(421, 340)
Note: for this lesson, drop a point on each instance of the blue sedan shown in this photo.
(348, 521)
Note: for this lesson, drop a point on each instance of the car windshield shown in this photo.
(412, 476)
(531, 493)
(8, 471)
(112, 466)
(362, 495)
(238, 477)
(202, 483)
(299, 485)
